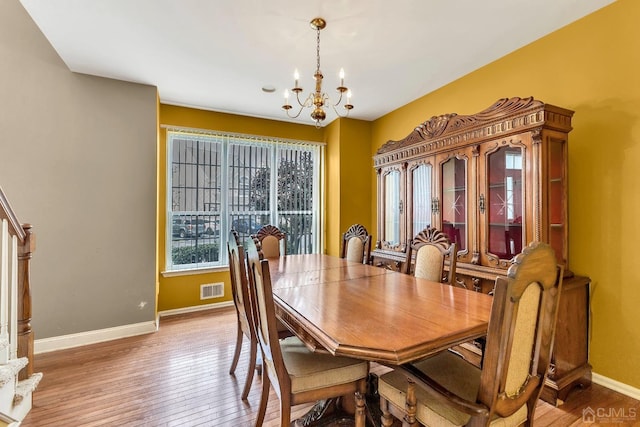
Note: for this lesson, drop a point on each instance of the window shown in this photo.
(217, 181)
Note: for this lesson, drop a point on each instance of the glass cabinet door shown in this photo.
(504, 202)
(420, 197)
(454, 201)
(392, 208)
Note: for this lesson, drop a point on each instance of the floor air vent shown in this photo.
(211, 290)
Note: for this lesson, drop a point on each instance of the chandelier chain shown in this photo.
(318, 49)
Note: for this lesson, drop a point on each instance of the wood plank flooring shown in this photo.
(179, 376)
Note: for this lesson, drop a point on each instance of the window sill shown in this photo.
(192, 271)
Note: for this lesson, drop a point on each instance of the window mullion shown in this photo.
(273, 190)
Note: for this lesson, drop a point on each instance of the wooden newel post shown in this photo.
(25, 334)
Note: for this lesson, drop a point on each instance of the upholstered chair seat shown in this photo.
(457, 376)
(311, 371)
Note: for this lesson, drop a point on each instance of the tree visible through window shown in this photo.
(294, 198)
(218, 182)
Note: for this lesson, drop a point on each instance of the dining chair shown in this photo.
(432, 248)
(240, 292)
(447, 390)
(271, 241)
(298, 375)
(356, 244)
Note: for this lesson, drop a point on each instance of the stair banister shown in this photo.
(22, 243)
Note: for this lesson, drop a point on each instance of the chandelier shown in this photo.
(318, 99)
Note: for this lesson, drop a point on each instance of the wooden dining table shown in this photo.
(370, 313)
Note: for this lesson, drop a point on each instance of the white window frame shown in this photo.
(227, 139)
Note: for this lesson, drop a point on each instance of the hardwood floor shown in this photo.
(179, 376)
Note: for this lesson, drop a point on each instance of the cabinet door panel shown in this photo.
(454, 204)
(419, 196)
(502, 202)
(392, 208)
(392, 221)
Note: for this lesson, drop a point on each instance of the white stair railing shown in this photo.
(8, 253)
(17, 379)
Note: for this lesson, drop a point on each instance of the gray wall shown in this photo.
(78, 161)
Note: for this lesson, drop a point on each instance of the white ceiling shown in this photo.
(218, 54)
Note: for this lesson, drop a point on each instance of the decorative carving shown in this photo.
(435, 126)
(460, 283)
(497, 262)
(267, 230)
(477, 284)
(507, 115)
(356, 230)
(551, 372)
(434, 236)
(536, 136)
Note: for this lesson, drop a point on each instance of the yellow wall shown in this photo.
(356, 166)
(348, 180)
(184, 290)
(332, 188)
(592, 67)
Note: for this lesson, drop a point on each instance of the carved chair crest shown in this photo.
(268, 230)
(356, 230)
(264, 241)
(431, 235)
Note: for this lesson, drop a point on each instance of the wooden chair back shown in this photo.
(356, 244)
(431, 248)
(239, 281)
(317, 376)
(521, 332)
(271, 241)
(265, 318)
(242, 302)
(517, 355)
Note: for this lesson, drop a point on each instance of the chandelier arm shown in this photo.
(307, 102)
(335, 110)
(296, 115)
(337, 103)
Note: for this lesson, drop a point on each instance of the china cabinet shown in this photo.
(492, 182)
